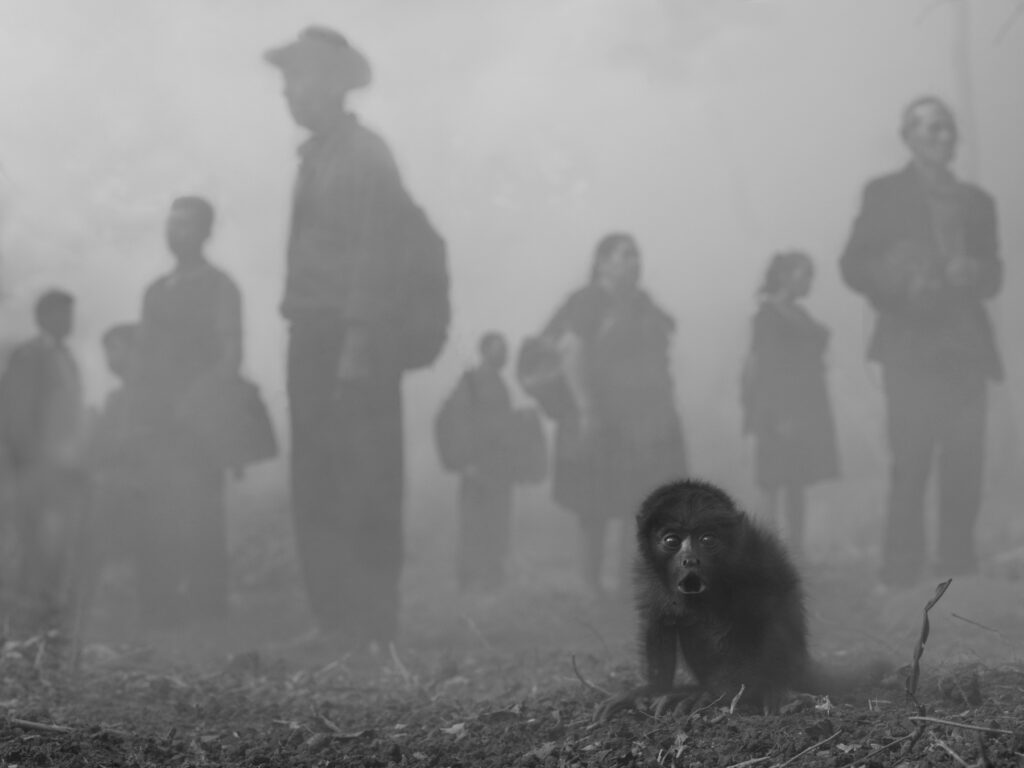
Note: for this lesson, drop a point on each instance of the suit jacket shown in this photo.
(893, 242)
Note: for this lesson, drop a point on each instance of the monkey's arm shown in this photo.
(659, 647)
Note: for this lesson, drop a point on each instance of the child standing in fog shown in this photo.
(474, 440)
(786, 406)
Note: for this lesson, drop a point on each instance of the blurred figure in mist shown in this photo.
(41, 424)
(622, 436)
(189, 341)
(924, 251)
(116, 450)
(474, 438)
(786, 406)
(366, 298)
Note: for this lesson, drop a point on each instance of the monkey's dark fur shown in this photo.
(715, 587)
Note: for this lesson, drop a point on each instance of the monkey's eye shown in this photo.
(671, 541)
(709, 541)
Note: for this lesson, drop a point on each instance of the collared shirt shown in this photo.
(342, 247)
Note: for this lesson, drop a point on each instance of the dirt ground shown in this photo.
(511, 679)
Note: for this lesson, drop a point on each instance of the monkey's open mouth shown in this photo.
(692, 584)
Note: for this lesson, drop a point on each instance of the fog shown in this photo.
(717, 131)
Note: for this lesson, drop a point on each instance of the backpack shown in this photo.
(425, 308)
(453, 428)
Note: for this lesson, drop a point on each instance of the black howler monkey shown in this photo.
(718, 589)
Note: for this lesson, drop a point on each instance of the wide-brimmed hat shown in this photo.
(324, 48)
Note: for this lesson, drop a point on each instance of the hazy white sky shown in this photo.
(716, 130)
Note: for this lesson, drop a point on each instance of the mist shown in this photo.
(717, 132)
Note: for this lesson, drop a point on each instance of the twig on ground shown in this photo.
(811, 748)
(983, 758)
(582, 679)
(883, 748)
(29, 725)
(974, 623)
(736, 699)
(915, 671)
(953, 724)
(476, 631)
(402, 669)
(751, 761)
(951, 753)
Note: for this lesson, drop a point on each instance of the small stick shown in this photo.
(403, 671)
(752, 761)
(29, 725)
(476, 631)
(937, 721)
(736, 698)
(586, 683)
(984, 759)
(980, 626)
(810, 748)
(951, 753)
(915, 672)
(881, 749)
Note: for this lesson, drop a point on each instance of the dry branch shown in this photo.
(966, 726)
(586, 683)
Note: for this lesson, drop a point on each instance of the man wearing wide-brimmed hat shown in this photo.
(350, 309)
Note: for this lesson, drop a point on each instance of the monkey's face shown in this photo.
(691, 557)
(690, 535)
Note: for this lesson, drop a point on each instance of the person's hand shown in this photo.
(354, 363)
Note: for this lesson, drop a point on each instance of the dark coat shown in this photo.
(361, 250)
(639, 440)
(894, 238)
(40, 403)
(786, 405)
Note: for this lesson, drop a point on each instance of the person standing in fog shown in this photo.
(41, 426)
(623, 435)
(360, 313)
(189, 342)
(924, 251)
(482, 419)
(786, 406)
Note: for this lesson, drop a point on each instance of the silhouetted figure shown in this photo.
(115, 461)
(189, 342)
(786, 406)
(623, 436)
(366, 298)
(481, 418)
(41, 421)
(924, 251)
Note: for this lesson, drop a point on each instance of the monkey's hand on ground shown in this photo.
(663, 702)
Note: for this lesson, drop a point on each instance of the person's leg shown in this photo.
(370, 474)
(313, 351)
(961, 471)
(208, 579)
(911, 444)
(470, 533)
(500, 524)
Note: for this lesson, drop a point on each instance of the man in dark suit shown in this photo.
(924, 252)
(41, 419)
